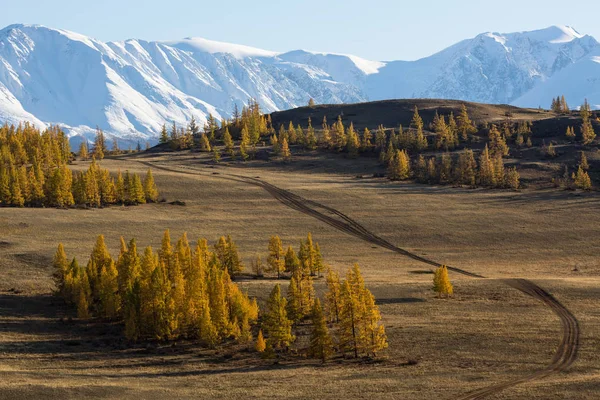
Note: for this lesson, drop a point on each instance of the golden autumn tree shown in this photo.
(260, 344)
(276, 258)
(399, 168)
(360, 328)
(285, 150)
(150, 189)
(60, 266)
(333, 302)
(441, 282)
(276, 322)
(321, 344)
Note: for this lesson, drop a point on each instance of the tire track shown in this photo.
(566, 353)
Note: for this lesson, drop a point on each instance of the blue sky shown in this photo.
(376, 29)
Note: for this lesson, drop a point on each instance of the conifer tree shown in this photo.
(582, 179)
(326, 134)
(497, 142)
(276, 259)
(512, 178)
(352, 141)
(285, 150)
(136, 190)
(332, 296)
(164, 136)
(276, 322)
(216, 155)
(208, 332)
(467, 168)
(339, 134)
(292, 262)
(399, 168)
(380, 138)
(120, 194)
(311, 138)
(205, 143)
(99, 145)
(570, 133)
(83, 311)
(150, 190)
(318, 266)
(245, 144)
(321, 344)
(498, 166)
(60, 265)
(257, 267)
(486, 169)
(519, 139)
(465, 125)
(366, 142)
(294, 306)
(583, 162)
(228, 141)
(275, 144)
(260, 345)
(349, 319)
(587, 130)
(108, 292)
(300, 138)
(441, 282)
(115, 149)
(291, 134)
(83, 151)
(219, 312)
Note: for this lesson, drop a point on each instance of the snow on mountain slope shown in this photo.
(131, 88)
(491, 68)
(576, 81)
(212, 47)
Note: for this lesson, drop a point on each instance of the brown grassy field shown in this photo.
(488, 333)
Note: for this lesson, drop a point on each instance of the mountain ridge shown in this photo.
(130, 88)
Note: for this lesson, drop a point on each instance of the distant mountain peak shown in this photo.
(131, 88)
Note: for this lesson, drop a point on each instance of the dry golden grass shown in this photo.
(489, 333)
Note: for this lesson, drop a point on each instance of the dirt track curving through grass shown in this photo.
(566, 353)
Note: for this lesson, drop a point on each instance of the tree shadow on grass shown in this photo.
(43, 327)
(400, 300)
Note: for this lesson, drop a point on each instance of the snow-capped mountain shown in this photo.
(131, 88)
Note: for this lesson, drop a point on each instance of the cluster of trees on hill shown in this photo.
(559, 105)
(400, 150)
(34, 172)
(464, 170)
(185, 292)
(579, 179)
(100, 149)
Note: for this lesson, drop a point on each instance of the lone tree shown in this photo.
(441, 282)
